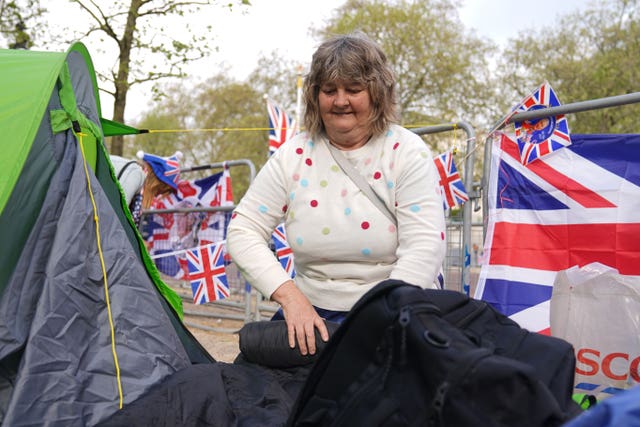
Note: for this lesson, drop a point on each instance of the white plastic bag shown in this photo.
(598, 311)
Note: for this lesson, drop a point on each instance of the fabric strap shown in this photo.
(359, 180)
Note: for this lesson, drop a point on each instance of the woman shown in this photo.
(342, 244)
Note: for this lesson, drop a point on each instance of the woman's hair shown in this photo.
(351, 58)
(152, 187)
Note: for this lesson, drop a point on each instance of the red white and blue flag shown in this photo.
(577, 206)
(168, 234)
(281, 126)
(538, 137)
(283, 250)
(207, 273)
(172, 168)
(451, 186)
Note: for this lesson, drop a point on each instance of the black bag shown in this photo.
(266, 343)
(399, 359)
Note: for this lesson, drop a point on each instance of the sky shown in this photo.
(242, 38)
(500, 20)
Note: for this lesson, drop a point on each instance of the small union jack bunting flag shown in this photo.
(451, 186)
(538, 137)
(283, 250)
(207, 273)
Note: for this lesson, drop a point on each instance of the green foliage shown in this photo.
(587, 55)
(279, 82)
(441, 68)
(215, 121)
(445, 74)
(442, 73)
(21, 21)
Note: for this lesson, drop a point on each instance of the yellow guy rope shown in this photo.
(208, 130)
(104, 270)
(240, 129)
(455, 139)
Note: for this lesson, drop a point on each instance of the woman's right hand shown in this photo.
(301, 318)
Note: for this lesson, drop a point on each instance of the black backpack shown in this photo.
(407, 356)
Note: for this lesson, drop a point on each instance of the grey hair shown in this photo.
(351, 58)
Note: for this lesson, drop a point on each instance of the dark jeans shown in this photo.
(330, 315)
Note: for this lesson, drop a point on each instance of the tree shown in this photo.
(20, 22)
(280, 82)
(232, 116)
(586, 55)
(215, 121)
(442, 70)
(153, 42)
(442, 73)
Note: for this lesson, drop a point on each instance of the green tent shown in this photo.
(75, 343)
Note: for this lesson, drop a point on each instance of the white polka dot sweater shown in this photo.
(342, 244)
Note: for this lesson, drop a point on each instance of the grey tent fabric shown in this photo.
(56, 359)
(54, 314)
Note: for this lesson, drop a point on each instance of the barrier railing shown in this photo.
(462, 269)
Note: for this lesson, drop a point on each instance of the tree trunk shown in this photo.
(122, 79)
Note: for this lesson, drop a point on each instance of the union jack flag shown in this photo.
(283, 250)
(173, 168)
(538, 137)
(573, 208)
(451, 186)
(170, 233)
(207, 273)
(281, 126)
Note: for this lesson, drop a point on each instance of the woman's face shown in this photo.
(345, 109)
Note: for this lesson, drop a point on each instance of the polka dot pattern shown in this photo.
(326, 211)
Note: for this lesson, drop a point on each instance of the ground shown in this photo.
(215, 325)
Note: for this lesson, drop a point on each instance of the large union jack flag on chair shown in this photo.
(207, 273)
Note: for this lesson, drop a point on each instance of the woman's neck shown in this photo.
(348, 145)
